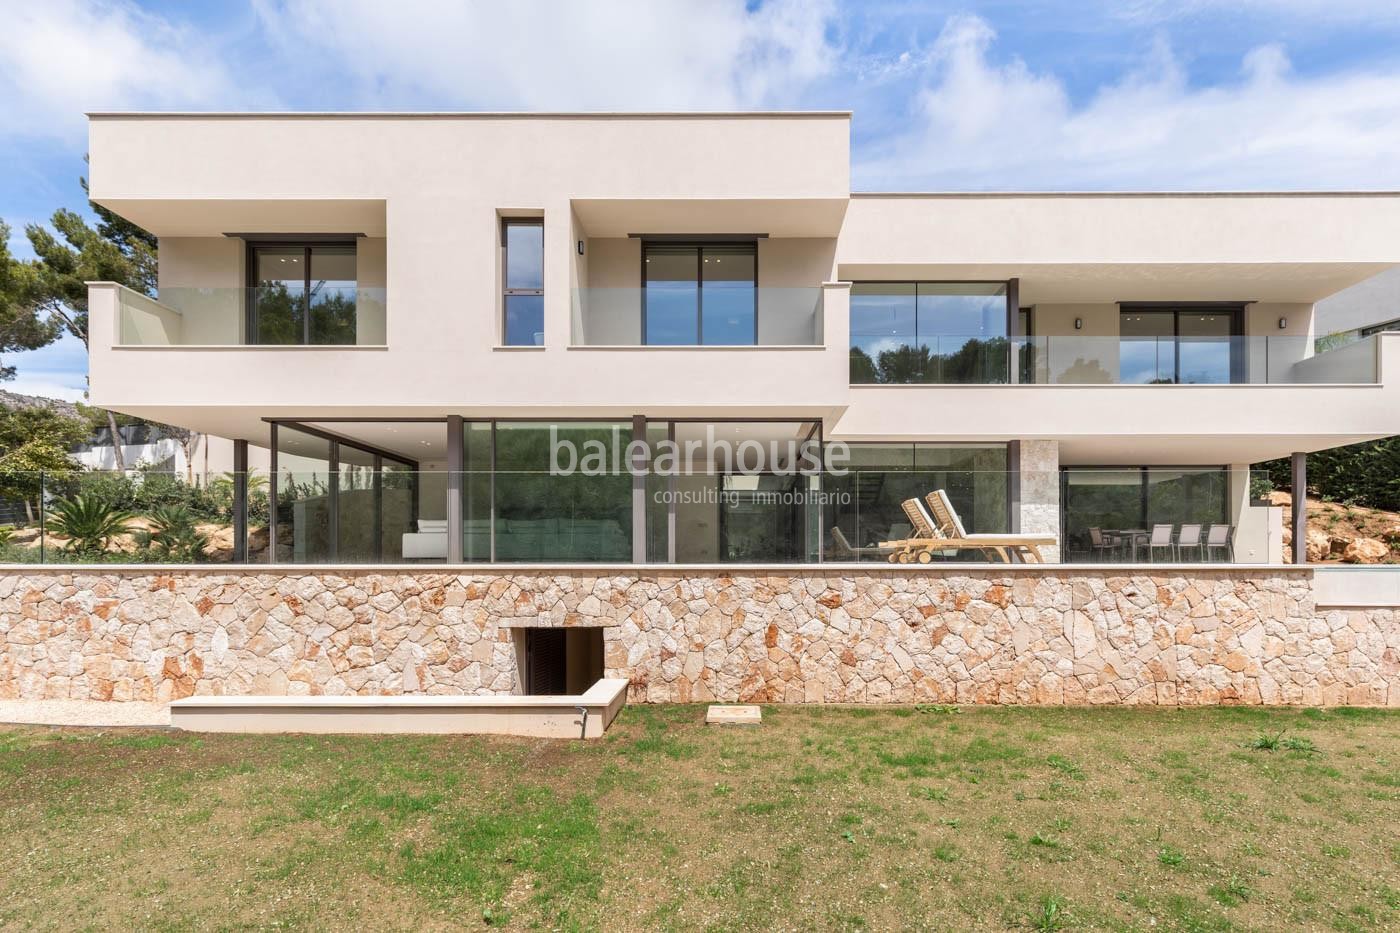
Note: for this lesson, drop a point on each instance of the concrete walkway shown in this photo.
(101, 713)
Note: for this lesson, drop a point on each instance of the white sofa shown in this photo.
(429, 542)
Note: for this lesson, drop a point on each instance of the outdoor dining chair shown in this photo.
(1161, 538)
(1220, 539)
(1188, 539)
(1104, 544)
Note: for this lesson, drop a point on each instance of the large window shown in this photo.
(929, 332)
(1108, 512)
(547, 514)
(700, 294)
(1187, 345)
(523, 240)
(343, 500)
(302, 293)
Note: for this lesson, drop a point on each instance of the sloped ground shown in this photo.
(826, 818)
(1343, 524)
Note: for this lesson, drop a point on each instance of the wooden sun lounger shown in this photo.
(931, 536)
(1026, 545)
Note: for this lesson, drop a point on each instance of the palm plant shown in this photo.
(172, 535)
(88, 522)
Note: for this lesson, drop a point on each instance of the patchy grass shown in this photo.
(823, 817)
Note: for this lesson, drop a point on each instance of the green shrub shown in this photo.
(90, 523)
(172, 537)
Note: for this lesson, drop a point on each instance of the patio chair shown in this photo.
(845, 549)
(1161, 538)
(1102, 544)
(1189, 538)
(1220, 538)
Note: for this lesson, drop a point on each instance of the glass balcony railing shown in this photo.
(1094, 360)
(684, 315)
(329, 315)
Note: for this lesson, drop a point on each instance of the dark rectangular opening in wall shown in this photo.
(562, 661)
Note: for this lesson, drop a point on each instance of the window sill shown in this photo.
(517, 348)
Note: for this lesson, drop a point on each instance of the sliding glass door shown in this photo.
(702, 294)
(302, 294)
(1186, 346)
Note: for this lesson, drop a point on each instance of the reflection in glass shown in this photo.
(929, 332)
(672, 296)
(700, 294)
(303, 295)
(728, 298)
(331, 299)
(303, 496)
(279, 297)
(541, 516)
(524, 320)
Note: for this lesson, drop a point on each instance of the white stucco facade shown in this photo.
(423, 197)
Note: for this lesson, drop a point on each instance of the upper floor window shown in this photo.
(302, 293)
(700, 294)
(523, 274)
(1189, 344)
(929, 332)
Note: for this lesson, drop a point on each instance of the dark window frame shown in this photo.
(700, 245)
(507, 292)
(1235, 309)
(1384, 327)
(306, 245)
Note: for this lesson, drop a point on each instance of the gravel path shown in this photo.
(83, 713)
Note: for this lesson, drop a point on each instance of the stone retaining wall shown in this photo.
(851, 635)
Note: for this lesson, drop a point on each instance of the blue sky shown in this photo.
(1142, 94)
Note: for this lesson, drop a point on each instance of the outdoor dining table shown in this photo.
(1133, 536)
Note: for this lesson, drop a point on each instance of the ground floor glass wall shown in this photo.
(750, 492)
(865, 506)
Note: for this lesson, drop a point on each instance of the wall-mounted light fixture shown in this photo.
(1079, 323)
(580, 247)
(1283, 323)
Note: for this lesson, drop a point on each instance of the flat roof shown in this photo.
(461, 114)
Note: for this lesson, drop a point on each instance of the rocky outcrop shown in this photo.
(1013, 635)
(1365, 551)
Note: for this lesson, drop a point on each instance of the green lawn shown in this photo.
(821, 818)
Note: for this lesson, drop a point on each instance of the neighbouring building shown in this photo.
(408, 313)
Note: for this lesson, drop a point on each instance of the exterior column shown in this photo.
(1039, 492)
(1300, 508)
(240, 502)
(455, 453)
(272, 496)
(1013, 318)
(637, 464)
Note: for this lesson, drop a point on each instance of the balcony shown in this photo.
(268, 316)
(689, 317)
(1094, 360)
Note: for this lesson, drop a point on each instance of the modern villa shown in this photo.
(409, 313)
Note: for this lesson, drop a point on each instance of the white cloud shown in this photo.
(981, 124)
(535, 54)
(59, 58)
(56, 371)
